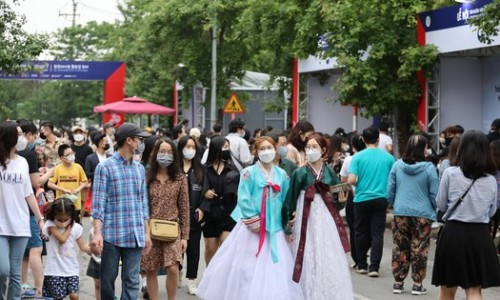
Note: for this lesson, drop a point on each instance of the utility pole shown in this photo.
(73, 21)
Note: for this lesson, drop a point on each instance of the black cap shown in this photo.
(495, 124)
(130, 130)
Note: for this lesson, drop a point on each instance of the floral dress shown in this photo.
(168, 200)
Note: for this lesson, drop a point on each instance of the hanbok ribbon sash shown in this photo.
(262, 230)
(321, 188)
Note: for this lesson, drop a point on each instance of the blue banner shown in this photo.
(66, 70)
(453, 16)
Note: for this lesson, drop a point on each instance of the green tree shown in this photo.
(16, 46)
(488, 22)
(64, 101)
(167, 33)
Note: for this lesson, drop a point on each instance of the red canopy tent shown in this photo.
(134, 105)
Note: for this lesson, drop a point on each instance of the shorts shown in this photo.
(35, 240)
(214, 229)
(93, 269)
(60, 286)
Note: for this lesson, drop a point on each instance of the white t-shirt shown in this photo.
(15, 186)
(61, 259)
(383, 141)
(345, 167)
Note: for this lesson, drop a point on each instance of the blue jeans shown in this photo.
(131, 267)
(11, 258)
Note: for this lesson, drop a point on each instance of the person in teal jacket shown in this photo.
(255, 261)
(412, 188)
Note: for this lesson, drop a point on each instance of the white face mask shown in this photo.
(22, 142)
(267, 156)
(313, 155)
(78, 137)
(188, 153)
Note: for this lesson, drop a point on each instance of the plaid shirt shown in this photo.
(120, 201)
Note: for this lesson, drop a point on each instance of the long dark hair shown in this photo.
(453, 151)
(334, 146)
(173, 170)
(62, 205)
(215, 149)
(495, 153)
(415, 149)
(474, 155)
(8, 140)
(195, 162)
(302, 126)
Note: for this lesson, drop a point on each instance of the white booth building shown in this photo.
(317, 97)
(465, 88)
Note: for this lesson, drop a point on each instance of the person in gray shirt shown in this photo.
(465, 253)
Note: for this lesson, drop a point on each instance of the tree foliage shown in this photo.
(488, 22)
(16, 46)
(376, 44)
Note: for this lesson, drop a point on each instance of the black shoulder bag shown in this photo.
(449, 212)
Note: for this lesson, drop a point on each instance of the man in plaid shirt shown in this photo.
(120, 211)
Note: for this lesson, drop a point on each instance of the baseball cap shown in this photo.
(195, 132)
(130, 130)
(76, 128)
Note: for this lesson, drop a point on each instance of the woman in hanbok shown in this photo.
(315, 228)
(255, 261)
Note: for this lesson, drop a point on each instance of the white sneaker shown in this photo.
(191, 286)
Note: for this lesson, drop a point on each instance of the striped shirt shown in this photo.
(120, 201)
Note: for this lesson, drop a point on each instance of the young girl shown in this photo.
(61, 268)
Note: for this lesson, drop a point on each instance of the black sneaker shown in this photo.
(418, 290)
(397, 288)
(145, 293)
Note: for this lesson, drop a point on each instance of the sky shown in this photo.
(44, 16)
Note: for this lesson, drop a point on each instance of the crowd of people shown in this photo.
(267, 206)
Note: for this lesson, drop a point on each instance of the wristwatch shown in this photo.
(41, 219)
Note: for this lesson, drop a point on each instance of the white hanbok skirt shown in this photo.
(325, 270)
(235, 272)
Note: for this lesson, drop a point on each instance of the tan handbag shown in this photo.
(163, 230)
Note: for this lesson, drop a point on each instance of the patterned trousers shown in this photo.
(410, 246)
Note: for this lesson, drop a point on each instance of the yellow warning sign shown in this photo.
(233, 105)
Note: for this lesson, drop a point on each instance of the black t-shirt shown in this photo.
(32, 165)
(81, 153)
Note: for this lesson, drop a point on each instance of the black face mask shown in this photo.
(43, 136)
(448, 140)
(106, 147)
(225, 155)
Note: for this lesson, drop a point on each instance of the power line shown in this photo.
(73, 15)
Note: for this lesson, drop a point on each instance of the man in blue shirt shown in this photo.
(121, 214)
(369, 172)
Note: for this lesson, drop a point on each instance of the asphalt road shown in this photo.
(365, 288)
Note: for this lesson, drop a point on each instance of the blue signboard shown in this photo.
(66, 70)
(453, 16)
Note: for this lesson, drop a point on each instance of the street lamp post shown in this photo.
(176, 92)
(213, 94)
